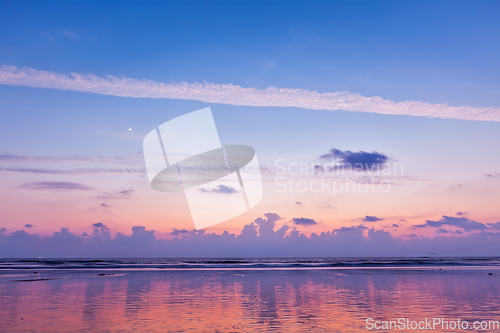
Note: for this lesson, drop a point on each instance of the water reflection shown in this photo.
(247, 301)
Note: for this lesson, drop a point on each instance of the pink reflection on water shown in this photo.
(247, 301)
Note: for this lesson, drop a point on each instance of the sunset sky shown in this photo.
(414, 86)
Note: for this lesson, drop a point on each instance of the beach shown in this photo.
(222, 296)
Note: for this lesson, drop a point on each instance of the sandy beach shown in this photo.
(253, 300)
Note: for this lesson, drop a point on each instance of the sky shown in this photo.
(409, 89)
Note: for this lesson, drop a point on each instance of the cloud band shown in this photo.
(236, 95)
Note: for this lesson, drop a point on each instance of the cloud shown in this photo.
(459, 222)
(135, 158)
(29, 225)
(304, 221)
(100, 232)
(69, 172)
(257, 239)
(236, 95)
(121, 194)
(493, 175)
(441, 231)
(361, 160)
(351, 228)
(177, 232)
(221, 189)
(298, 203)
(494, 226)
(266, 226)
(57, 186)
(49, 36)
(369, 218)
(105, 205)
(70, 34)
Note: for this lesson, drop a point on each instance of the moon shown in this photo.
(130, 129)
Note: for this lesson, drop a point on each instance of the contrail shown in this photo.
(236, 95)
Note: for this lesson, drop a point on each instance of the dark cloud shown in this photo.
(395, 225)
(105, 205)
(58, 186)
(369, 218)
(121, 194)
(441, 231)
(221, 189)
(303, 221)
(459, 222)
(352, 228)
(494, 226)
(85, 234)
(178, 232)
(357, 160)
(298, 203)
(98, 225)
(29, 225)
(461, 213)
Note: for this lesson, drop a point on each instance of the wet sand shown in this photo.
(297, 300)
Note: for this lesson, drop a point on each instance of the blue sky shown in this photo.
(438, 52)
(382, 52)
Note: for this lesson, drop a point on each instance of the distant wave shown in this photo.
(241, 263)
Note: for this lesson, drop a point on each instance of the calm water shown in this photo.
(242, 295)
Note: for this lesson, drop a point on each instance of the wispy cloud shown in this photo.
(49, 185)
(369, 218)
(49, 36)
(460, 222)
(57, 36)
(121, 194)
(70, 34)
(236, 95)
(69, 172)
(221, 189)
(135, 158)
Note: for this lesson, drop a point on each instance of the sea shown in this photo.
(250, 294)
